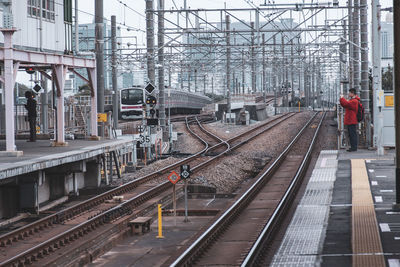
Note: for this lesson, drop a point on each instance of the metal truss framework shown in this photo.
(307, 53)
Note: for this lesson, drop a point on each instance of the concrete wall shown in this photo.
(44, 189)
(22, 192)
(79, 180)
(93, 174)
(9, 201)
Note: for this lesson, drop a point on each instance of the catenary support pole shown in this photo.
(364, 69)
(264, 67)
(274, 80)
(243, 71)
(351, 46)
(228, 64)
(114, 70)
(99, 56)
(150, 41)
(396, 37)
(161, 85)
(356, 46)
(377, 76)
(253, 61)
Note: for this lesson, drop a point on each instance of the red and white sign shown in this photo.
(173, 177)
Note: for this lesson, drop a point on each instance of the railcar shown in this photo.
(179, 102)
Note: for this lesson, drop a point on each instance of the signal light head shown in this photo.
(30, 70)
(151, 100)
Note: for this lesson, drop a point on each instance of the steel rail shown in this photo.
(68, 213)
(285, 116)
(233, 147)
(114, 213)
(30, 255)
(199, 245)
(253, 257)
(214, 136)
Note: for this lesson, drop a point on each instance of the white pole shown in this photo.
(377, 79)
(9, 88)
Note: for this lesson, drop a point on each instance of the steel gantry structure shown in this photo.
(311, 50)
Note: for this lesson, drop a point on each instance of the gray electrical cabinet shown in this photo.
(388, 130)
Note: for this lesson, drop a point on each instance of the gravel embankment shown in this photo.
(249, 159)
(239, 165)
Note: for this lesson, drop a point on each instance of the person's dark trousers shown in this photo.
(353, 136)
(32, 128)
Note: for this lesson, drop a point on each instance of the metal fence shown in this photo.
(76, 111)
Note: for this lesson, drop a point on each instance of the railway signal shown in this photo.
(173, 177)
(149, 88)
(185, 171)
(140, 128)
(152, 122)
(37, 88)
(30, 70)
(185, 174)
(151, 100)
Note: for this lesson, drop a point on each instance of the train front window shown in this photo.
(131, 97)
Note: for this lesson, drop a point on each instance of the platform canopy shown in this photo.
(58, 65)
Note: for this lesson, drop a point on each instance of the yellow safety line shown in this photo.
(365, 232)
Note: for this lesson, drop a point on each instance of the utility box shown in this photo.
(388, 130)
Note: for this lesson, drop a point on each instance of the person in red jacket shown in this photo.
(350, 117)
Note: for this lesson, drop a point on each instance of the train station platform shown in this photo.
(45, 175)
(41, 155)
(346, 216)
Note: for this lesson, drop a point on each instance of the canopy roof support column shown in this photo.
(60, 75)
(9, 81)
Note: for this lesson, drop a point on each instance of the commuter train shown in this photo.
(180, 102)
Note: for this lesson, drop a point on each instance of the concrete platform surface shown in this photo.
(323, 237)
(147, 250)
(41, 155)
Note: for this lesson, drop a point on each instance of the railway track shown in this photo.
(209, 139)
(130, 125)
(241, 234)
(39, 240)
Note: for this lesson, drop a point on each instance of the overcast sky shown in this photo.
(135, 18)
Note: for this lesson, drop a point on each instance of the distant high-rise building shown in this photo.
(387, 42)
(127, 79)
(87, 44)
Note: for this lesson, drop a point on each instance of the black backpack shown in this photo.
(360, 112)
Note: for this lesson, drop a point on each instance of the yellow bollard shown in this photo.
(299, 106)
(159, 222)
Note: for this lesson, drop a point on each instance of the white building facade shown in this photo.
(387, 41)
(41, 25)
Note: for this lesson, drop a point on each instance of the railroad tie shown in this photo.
(366, 241)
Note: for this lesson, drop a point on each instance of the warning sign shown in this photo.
(389, 101)
(101, 117)
(173, 177)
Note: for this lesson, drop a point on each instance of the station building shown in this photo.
(38, 34)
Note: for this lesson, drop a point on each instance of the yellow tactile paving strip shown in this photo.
(365, 232)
